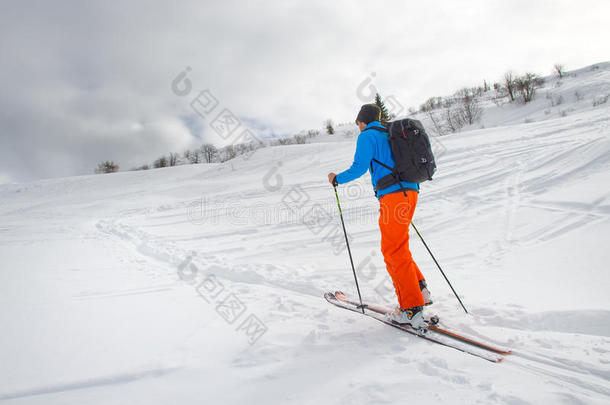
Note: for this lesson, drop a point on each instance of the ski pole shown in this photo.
(348, 249)
(439, 266)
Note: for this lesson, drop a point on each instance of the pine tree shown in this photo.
(329, 126)
(385, 116)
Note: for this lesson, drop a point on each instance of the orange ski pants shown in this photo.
(395, 214)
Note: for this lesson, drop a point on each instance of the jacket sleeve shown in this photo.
(362, 160)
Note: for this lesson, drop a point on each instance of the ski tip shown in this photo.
(329, 296)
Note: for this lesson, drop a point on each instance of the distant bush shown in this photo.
(285, 141)
(559, 69)
(143, 167)
(453, 120)
(209, 152)
(173, 159)
(107, 167)
(193, 156)
(313, 133)
(436, 123)
(297, 139)
(527, 84)
(432, 103)
(300, 139)
(509, 83)
(468, 109)
(461, 109)
(161, 162)
(227, 153)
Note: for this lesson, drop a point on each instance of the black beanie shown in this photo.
(369, 113)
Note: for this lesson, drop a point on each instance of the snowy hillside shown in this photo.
(204, 284)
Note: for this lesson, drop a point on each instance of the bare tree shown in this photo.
(431, 104)
(453, 119)
(526, 85)
(469, 109)
(509, 82)
(243, 148)
(300, 139)
(560, 69)
(173, 159)
(107, 167)
(312, 133)
(285, 141)
(436, 123)
(161, 162)
(228, 153)
(209, 152)
(193, 156)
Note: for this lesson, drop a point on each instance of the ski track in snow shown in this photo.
(98, 309)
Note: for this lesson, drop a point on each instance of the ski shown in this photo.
(433, 326)
(424, 334)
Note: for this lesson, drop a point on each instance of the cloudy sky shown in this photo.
(86, 81)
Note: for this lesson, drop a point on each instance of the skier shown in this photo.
(396, 207)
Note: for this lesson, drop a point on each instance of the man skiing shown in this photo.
(396, 207)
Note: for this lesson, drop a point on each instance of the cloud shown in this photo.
(84, 82)
(5, 179)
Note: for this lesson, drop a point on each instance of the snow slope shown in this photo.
(115, 288)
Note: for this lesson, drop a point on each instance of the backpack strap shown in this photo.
(382, 129)
(382, 164)
(396, 176)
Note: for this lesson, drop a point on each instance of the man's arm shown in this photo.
(362, 160)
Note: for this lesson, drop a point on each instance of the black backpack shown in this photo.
(412, 153)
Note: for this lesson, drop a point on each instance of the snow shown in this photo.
(111, 284)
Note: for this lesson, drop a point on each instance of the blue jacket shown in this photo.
(371, 144)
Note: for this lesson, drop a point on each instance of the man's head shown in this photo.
(368, 113)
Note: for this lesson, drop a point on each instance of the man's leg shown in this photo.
(412, 196)
(396, 211)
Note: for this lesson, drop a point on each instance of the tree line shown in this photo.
(209, 153)
(450, 114)
(447, 114)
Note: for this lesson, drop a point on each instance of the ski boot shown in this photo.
(413, 317)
